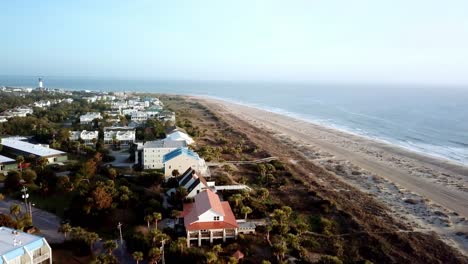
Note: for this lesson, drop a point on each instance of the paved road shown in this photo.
(47, 223)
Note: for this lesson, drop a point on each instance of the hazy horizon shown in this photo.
(417, 42)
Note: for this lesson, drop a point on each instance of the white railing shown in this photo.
(41, 258)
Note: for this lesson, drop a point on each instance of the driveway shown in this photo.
(46, 222)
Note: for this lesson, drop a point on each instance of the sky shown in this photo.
(417, 41)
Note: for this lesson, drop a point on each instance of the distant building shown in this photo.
(89, 117)
(88, 137)
(18, 247)
(40, 84)
(7, 164)
(181, 159)
(139, 116)
(120, 135)
(208, 218)
(17, 147)
(154, 151)
(180, 136)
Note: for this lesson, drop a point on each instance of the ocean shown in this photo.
(428, 119)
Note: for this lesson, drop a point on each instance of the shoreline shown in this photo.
(428, 193)
(333, 127)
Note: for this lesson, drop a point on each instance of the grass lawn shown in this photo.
(55, 204)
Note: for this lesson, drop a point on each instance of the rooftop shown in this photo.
(165, 144)
(4, 159)
(37, 150)
(178, 152)
(12, 242)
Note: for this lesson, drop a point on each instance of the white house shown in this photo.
(42, 104)
(180, 136)
(194, 183)
(18, 247)
(139, 116)
(154, 151)
(89, 117)
(181, 159)
(87, 136)
(123, 135)
(207, 218)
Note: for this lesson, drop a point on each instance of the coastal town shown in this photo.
(124, 177)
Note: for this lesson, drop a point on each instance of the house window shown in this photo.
(216, 218)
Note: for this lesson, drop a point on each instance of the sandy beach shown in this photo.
(427, 193)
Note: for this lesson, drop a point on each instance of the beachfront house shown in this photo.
(18, 247)
(181, 159)
(16, 146)
(154, 151)
(193, 182)
(119, 135)
(7, 164)
(89, 117)
(177, 135)
(88, 137)
(208, 218)
(139, 116)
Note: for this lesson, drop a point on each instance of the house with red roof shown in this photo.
(209, 218)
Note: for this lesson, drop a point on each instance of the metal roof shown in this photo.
(37, 150)
(4, 159)
(178, 152)
(13, 242)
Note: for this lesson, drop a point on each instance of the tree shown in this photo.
(90, 238)
(29, 176)
(263, 193)
(110, 246)
(246, 210)
(20, 160)
(89, 168)
(13, 180)
(137, 256)
(181, 244)
(154, 254)
(175, 173)
(42, 162)
(156, 217)
(15, 210)
(217, 249)
(211, 257)
(279, 250)
(330, 260)
(236, 198)
(65, 229)
(112, 173)
(148, 219)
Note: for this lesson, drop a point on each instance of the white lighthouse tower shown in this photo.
(40, 83)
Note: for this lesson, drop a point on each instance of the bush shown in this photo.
(29, 176)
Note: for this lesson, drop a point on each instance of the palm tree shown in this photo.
(236, 198)
(90, 239)
(148, 219)
(217, 249)
(154, 254)
(246, 210)
(137, 256)
(211, 257)
(110, 245)
(20, 160)
(263, 193)
(65, 229)
(156, 217)
(182, 244)
(279, 250)
(42, 162)
(15, 210)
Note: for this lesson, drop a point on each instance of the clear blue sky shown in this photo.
(422, 41)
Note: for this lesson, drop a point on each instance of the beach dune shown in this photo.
(427, 192)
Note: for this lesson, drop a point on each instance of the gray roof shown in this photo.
(165, 144)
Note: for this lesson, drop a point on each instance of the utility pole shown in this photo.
(119, 226)
(25, 197)
(162, 249)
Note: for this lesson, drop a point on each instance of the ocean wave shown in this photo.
(454, 154)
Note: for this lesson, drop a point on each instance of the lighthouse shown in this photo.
(40, 84)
